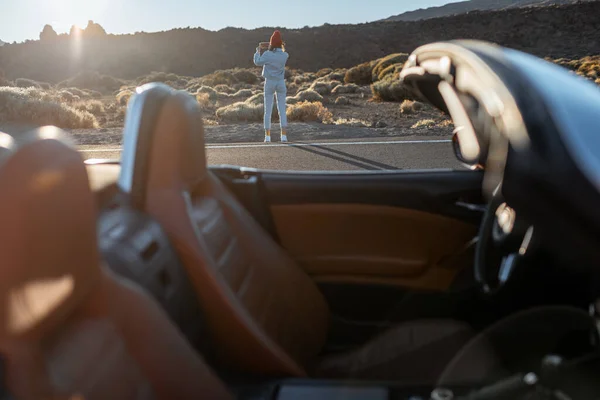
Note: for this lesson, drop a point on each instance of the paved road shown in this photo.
(361, 154)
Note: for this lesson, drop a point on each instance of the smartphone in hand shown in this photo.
(263, 46)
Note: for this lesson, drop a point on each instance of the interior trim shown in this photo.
(373, 243)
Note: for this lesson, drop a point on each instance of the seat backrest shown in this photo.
(69, 326)
(265, 313)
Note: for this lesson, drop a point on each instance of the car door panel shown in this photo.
(411, 229)
(372, 243)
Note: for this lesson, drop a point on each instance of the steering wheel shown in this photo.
(503, 241)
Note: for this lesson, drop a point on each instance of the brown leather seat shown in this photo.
(69, 327)
(266, 315)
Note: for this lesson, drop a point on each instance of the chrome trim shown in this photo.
(101, 161)
(133, 120)
(472, 207)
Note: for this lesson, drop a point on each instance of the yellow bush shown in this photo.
(203, 99)
(124, 96)
(36, 107)
(324, 72)
(383, 63)
(410, 107)
(360, 75)
(308, 95)
(345, 89)
(392, 89)
(307, 111)
(241, 112)
(424, 123)
(94, 107)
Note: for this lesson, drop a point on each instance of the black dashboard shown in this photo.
(532, 126)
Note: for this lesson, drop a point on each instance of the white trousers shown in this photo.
(275, 88)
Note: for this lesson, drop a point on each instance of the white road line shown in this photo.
(329, 144)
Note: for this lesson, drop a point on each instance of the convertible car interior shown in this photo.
(157, 276)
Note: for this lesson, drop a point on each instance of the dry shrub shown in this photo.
(203, 100)
(393, 71)
(94, 94)
(94, 81)
(307, 111)
(321, 87)
(360, 75)
(66, 96)
(82, 94)
(338, 75)
(384, 63)
(308, 95)
(219, 78)
(304, 86)
(324, 72)
(115, 114)
(241, 111)
(26, 83)
(155, 76)
(424, 123)
(94, 107)
(291, 73)
(258, 98)
(292, 88)
(588, 67)
(445, 123)
(210, 91)
(392, 90)
(45, 85)
(411, 107)
(345, 89)
(210, 122)
(245, 76)
(240, 86)
(351, 122)
(124, 96)
(5, 82)
(252, 110)
(301, 79)
(224, 89)
(242, 93)
(35, 106)
(342, 101)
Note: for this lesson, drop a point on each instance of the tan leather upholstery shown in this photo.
(366, 243)
(265, 313)
(69, 327)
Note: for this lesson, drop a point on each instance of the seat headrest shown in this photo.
(163, 141)
(48, 240)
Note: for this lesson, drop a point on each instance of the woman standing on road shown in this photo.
(273, 62)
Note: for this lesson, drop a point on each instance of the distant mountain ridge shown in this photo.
(463, 7)
(569, 31)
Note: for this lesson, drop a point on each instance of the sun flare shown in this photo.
(69, 13)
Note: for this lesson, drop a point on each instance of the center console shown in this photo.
(555, 379)
(296, 389)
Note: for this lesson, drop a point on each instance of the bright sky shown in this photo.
(24, 19)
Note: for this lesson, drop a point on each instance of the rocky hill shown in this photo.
(462, 7)
(556, 31)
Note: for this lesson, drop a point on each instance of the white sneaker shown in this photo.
(267, 139)
(284, 138)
